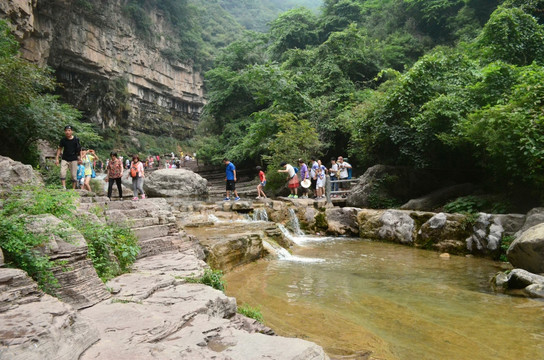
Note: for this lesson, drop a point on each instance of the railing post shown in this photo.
(328, 188)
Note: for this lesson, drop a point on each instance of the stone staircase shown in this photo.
(151, 220)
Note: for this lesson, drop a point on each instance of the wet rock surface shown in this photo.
(527, 251)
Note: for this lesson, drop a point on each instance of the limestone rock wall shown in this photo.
(108, 72)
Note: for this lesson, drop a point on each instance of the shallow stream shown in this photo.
(358, 298)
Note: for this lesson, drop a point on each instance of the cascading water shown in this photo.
(295, 225)
(260, 214)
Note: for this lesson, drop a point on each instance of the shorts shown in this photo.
(263, 184)
(314, 183)
(293, 182)
(64, 166)
(231, 185)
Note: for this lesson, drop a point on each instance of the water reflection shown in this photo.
(398, 302)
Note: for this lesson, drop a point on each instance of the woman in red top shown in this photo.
(262, 184)
(115, 172)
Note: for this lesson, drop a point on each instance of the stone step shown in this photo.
(154, 231)
(133, 223)
(159, 245)
(128, 213)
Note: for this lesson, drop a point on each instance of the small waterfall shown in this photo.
(260, 214)
(213, 218)
(295, 225)
(283, 254)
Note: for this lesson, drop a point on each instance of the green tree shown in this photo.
(28, 112)
(513, 36)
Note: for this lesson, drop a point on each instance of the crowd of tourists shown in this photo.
(302, 176)
(313, 177)
(82, 164)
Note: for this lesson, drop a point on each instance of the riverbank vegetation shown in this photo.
(111, 248)
(430, 84)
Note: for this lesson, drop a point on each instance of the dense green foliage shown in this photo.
(433, 84)
(112, 249)
(28, 110)
(213, 278)
(256, 14)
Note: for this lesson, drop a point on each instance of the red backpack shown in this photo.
(134, 170)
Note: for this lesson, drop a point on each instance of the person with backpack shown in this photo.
(262, 183)
(70, 147)
(136, 171)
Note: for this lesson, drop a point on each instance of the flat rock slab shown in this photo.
(174, 264)
(37, 326)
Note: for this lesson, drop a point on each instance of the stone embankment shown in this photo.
(151, 312)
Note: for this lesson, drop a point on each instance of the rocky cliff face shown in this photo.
(106, 70)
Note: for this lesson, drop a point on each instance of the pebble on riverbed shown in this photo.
(445, 256)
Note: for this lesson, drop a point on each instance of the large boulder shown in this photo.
(175, 183)
(386, 184)
(13, 173)
(439, 197)
(533, 217)
(445, 233)
(527, 251)
(387, 225)
(342, 221)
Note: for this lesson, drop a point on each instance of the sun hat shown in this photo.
(306, 183)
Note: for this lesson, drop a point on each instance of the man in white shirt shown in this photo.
(343, 166)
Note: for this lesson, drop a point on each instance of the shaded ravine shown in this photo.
(353, 297)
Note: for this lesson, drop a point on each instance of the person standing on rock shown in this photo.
(343, 166)
(136, 171)
(230, 179)
(71, 148)
(304, 175)
(292, 179)
(262, 183)
(334, 175)
(115, 173)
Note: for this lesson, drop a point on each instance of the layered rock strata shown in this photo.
(108, 71)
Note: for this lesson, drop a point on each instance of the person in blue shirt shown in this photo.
(80, 174)
(230, 179)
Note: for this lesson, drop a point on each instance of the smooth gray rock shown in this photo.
(511, 223)
(443, 232)
(14, 173)
(535, 290)
(175, 183)
(439, 197)
(36, 326)
(527, 251)
(397, 226)
(533, 217)
(342, 221)
(519, 279)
